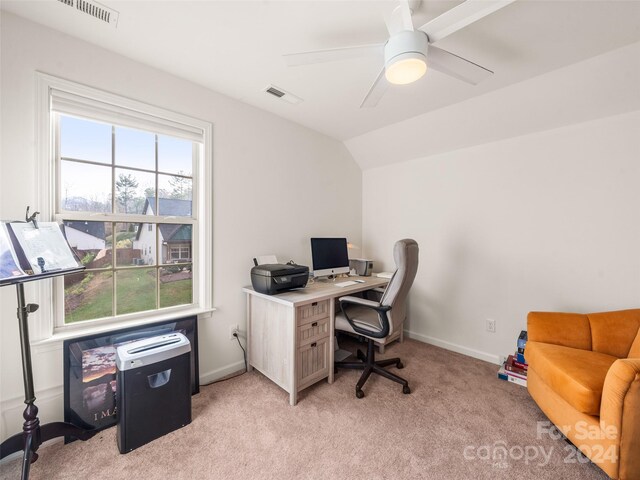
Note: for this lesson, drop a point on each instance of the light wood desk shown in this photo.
(290, 335)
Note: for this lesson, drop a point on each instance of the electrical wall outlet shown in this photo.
(233, 329)
(491, 325)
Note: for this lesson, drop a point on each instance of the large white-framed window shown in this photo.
(132, 185)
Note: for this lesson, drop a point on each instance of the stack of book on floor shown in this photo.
(515, 367)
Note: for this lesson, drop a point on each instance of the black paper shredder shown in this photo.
(153, 393)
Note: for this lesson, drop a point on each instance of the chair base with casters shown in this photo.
(369, 364)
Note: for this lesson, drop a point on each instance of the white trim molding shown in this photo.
(52, 91)
(469, 352)
(48, 399)
(221, 372)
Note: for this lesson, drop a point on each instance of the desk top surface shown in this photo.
(321, 290)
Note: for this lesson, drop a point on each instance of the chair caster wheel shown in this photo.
(399, 365)
(359, 393)
(406, 390)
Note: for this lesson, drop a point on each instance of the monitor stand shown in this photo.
(331, 278)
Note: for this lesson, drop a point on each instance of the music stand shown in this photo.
(33, 434)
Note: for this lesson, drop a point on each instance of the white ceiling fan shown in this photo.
(408, 51)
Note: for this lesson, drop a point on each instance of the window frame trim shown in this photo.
(45, 327)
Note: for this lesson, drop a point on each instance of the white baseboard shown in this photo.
(218, 373)
(470, 352)
(44, 395)
(11, 415)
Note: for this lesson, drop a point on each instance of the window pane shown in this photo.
(135, 148)
(132, 189)
(176, 285)
(175, 242)
(91, 241)
(129, 250)
(175, 195)
(85, 140)
(175, 155)
(136, 290)
(85, 187)
(87, 296)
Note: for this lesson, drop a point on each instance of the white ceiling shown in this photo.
(236, 48)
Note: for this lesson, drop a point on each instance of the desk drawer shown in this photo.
(310, 332)
(313, 362)
(312, 312)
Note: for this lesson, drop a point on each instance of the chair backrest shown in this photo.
(405, 254)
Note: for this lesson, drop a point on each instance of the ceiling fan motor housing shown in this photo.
(405, 57)
(406, 42)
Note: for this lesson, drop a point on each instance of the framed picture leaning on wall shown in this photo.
(90, 370)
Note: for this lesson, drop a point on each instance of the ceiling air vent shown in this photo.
(274, 91)
(95, 9)
(282, 94)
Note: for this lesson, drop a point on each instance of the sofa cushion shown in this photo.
(574, 374)
(613, 333)
(568, 329)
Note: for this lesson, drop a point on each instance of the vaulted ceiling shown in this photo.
(236, 48)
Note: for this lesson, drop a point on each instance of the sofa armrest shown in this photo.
(566, 329)
(620, 412)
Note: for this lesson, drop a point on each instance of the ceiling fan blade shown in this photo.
(333, 54)
(400, 19)
(376, 91)
(459, 17)
(405, 12)
(456, 66)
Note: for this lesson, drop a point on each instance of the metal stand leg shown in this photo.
(33, 435)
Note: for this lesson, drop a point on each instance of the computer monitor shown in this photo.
(330, 256)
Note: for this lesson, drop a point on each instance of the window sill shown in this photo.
(65, 334)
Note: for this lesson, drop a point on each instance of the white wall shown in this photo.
(275, 185)
(510, 220)
(546, 221)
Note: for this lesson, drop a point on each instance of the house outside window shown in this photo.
(119, 166)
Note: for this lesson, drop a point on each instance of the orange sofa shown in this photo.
(584, 373)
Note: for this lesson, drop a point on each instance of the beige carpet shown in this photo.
(244, 428)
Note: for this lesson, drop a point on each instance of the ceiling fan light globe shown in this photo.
(406, 68)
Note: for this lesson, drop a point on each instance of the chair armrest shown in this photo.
(566, 329)
(620, 412)
(358, 326)
(360, 301)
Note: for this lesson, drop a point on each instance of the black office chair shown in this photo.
(376, 321)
